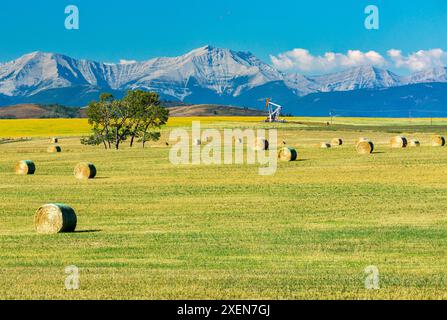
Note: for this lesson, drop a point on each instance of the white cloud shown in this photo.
(301, 60)
(420, 60)
(123, 61)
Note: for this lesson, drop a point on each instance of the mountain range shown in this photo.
(223, 76)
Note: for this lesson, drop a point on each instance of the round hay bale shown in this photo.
(362, 139)
(414, 143)
(85, 170)
(54, 140)
(365, 147)
(240, 140)
(438, 141)
(398, 142)
(54, 149)
(287, 154)
(55, 218)
(337, 142)
(25, 167)
(261, 144)
(197, 142)
(325, 145)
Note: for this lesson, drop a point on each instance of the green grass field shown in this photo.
(151, 230)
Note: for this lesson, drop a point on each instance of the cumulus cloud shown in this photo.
(301, 60)
(420, 60)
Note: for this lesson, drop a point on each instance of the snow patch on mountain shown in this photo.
(433, 75)
(223, 73)
(363, 77)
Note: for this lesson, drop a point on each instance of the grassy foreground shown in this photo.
(151, 230)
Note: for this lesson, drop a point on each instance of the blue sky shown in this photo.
(138, 30)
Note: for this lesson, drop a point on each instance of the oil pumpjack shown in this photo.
(274, 111)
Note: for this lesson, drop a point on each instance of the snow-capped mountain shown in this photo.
(221, 71)
(38, 71)
(301, 85)
(433, 75)
(363, 77)
(204, 75)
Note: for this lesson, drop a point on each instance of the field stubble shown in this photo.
(151, 230)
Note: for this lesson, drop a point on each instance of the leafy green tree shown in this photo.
(120, 122)
(147, 114)
(154, 117)
(99, 115)
(139, 103)
(135, 116)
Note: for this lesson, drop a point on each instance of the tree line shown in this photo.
(136, 118)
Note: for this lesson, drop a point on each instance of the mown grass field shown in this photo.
(151, 230)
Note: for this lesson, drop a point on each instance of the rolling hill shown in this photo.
(34, 111)
(213, 110)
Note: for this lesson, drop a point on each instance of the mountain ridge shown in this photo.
(203, 75)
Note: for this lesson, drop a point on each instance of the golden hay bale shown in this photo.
(240, 141)
(55, 218)
(414, 143)
(362, 139)
(337, 142)
(197, 142)
(53, 149)
(85, 170)
(54, 140)
(365, 147)
(261, 144)
(287, 154)
(325, 145)
(438, 141)
(25, 167)
(398, 142)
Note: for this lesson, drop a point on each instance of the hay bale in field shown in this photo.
(438, 141)
(85, 170)
(337, 142)
(365, 147)
(54, 149)
(261, 144)
(239, 141)
(325, 145)
(287, 154)
(414, 143)
(398, 142)
(25, 167)
(197, 142)
(54, 140)
(362, 139)
(55, 218)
